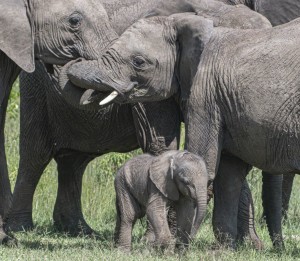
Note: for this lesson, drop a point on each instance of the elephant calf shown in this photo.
(151, 185)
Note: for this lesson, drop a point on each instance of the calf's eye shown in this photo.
(139, 62)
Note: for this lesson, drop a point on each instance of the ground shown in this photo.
(44, 243)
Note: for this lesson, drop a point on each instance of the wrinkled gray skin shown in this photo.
(52, 31)
(87, 74)
(277, 12)
(239, 110)
(87, 136)
(64, 132)
(74, 137)
(151, 185)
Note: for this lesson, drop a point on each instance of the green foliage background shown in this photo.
(98, 197)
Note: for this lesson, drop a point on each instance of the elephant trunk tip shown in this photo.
(200, 214)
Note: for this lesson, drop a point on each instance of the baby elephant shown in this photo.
(150, 185)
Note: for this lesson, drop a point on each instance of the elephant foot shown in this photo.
(8, 240)
(17, 223)
(253, 241)
(181, 248)
(226, 241)
(124, 249)
(166, 244)
(149, 237)
(257, 244)
(74, 227)
(278, 243)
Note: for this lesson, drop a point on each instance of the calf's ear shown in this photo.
(161, 174)
(16, 33)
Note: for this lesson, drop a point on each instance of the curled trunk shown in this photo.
(200, 212)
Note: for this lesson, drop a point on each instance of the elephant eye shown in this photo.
(139, 62)
(185, 180)
(75, 20)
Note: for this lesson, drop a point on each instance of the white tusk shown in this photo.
(109, 98)
(86, 102)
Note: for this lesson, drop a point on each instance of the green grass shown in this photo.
(98, 206)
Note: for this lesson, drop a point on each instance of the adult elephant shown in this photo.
(116, 128)
(52, 31)
(240, 109)
(277, 12)
(87, 134)
(221, 14)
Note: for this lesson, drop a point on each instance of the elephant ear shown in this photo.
(193, 33)
(161, 174)
(16, 33)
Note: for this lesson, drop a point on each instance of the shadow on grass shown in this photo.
(50, 239)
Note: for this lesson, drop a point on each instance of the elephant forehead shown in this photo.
(193, 163)
(62, 8)
(147, 28)
(142, 37)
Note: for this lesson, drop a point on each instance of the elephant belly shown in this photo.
(274, 149)
(263, 110)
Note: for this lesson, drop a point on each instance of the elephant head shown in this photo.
(154, 57)
(182, 173)
(53, 31)
(147, 63)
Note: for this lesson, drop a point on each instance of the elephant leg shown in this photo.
(157, 125)
(149, 236)
(158, 129)
(287, 185)
(246, 227)
(31, 169)
(272, 203)
(36, 148)
(8, 73)
(5, 190)
(6, 238)
(185, 213)
(227, 190)
(157, 212)
(172, 220)
(128, 211)
(67, 213)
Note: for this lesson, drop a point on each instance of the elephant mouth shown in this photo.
(100, 97)
(90, 96)
(82, 91)
(87, 98)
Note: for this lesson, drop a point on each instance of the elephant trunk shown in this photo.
(84, 73)
(82, 83)
(69, 91)
(200, 211)
(79, 88)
